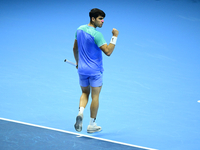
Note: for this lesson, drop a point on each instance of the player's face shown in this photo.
(99, 21)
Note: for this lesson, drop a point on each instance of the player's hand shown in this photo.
(115, 32)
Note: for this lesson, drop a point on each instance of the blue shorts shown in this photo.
(93, 81)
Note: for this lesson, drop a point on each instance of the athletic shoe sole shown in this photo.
(78, 124)
(93, 131)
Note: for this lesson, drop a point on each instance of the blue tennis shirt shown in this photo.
(90, 55)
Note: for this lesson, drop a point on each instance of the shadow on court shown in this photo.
(15, 136)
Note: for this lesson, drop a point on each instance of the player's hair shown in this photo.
(95, 12)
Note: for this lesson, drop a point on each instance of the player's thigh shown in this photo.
(96, 91)
(86, 89)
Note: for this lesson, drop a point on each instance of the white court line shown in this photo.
(78, 135)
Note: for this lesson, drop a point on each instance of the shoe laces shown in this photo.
(94, 124)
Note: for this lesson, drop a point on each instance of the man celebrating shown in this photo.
(87, 49)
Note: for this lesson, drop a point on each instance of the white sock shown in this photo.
(92, 120)
(81, 109)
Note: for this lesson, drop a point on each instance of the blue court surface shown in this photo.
(151, 88)
(19, 135)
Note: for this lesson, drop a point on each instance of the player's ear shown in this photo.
(93, 19)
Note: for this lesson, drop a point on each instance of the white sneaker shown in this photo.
(78, 124)
(93, 128)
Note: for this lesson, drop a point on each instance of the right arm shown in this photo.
(75, 51)
(108, 49)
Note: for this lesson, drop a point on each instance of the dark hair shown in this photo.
(95, 12)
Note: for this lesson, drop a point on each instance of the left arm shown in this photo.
(75, 50)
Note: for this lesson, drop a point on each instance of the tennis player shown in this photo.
(88, 46)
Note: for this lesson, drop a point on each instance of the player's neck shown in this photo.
(91, 25)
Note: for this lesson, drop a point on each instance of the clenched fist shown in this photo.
(115, 32)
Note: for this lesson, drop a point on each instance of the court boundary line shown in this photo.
(73, 133)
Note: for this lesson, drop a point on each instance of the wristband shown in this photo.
(113, 40)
